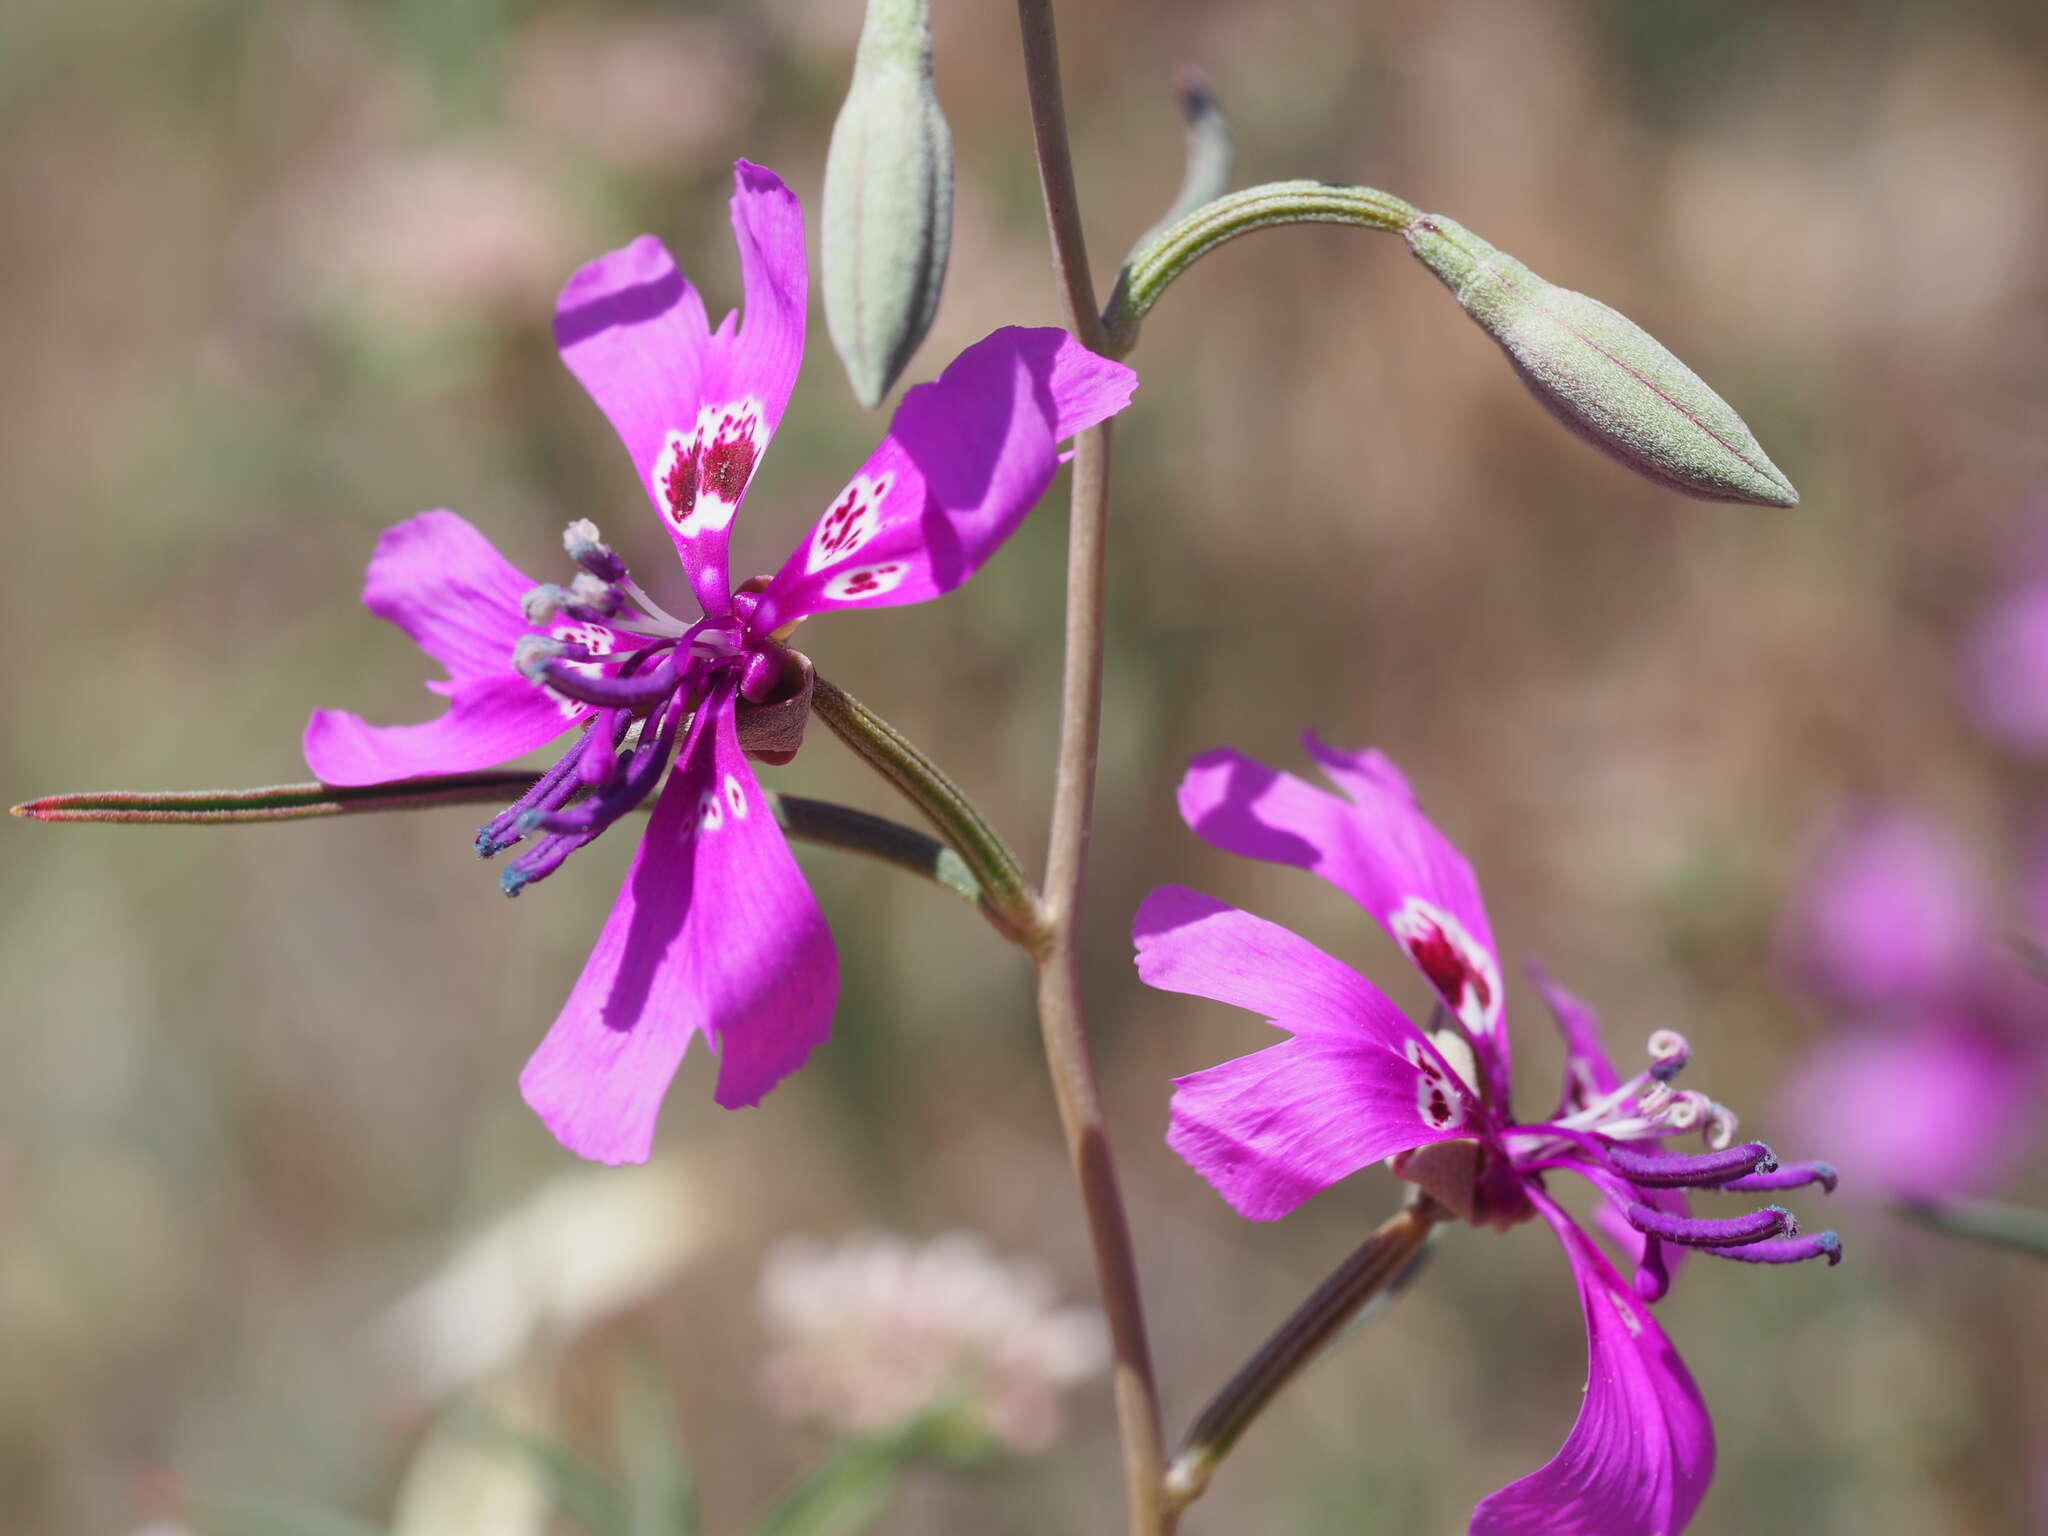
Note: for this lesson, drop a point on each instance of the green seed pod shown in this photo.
(888, 200)
(1603, 375)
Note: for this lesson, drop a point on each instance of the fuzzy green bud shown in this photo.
(888, 200)
(1603, 375)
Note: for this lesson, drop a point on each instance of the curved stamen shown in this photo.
(1789, 1176)
(1669, 1052)
(597, 768)
(1785, 1250)
(1712, 1168)
(502, 830)
(1721, 1125)
(622, 692)
(648, 605)
(641, 772)
(1700, 1232)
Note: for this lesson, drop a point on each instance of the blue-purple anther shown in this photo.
(615, 650)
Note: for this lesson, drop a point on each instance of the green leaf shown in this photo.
(275, 802)
(2015, 1227)
(582, 1492)
(849, 1494)
(661, 1483)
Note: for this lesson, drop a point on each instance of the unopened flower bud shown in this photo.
(1603, 375)
(888, 200)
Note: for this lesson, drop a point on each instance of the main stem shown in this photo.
(1058, 954)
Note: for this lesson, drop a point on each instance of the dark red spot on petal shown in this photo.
(728, 462)
(1447, 969)
(1439, 1107)
(841, 523)
(679, 488)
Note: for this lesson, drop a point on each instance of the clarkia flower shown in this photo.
(1930, 1082)
(2006, 662)
(1358, 1082)
(715, 931)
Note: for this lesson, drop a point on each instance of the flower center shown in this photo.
(612, 653)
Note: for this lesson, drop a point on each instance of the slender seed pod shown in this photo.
(1603, 375)
(888, 219)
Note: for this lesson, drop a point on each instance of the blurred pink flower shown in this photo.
(867, 1334)
(2007, 668)
(1928, 1084)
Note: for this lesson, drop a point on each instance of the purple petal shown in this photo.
(1357, 1084)
(1271, 1129)
(1936, 1108)
(1890, 913)
(1638, 1460)
(443, 583)
(715, 932)
(694, 408)
(966, 457)
(2007, 669)
(1380, 850)
(1589, 1072)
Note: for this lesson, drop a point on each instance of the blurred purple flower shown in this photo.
(715, 931)
(2006, 668)
(1929, 1084)
(1357, 1082)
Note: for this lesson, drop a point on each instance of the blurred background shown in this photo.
(276, 275)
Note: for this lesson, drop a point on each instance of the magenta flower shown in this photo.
(2006, 668)
(715, 931)
(1930, 1083)
(1357, 1082)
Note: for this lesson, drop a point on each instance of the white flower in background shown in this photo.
(585, 1246)
(870, 1332)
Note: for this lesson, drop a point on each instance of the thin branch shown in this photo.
(1378, 1266)
(1059, 982)
(1994, 1223)
(1005, 894)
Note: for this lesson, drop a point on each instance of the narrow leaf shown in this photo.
(661, 1484)
(847, 1495)
(578, 1488)
(2016, 1227)
(274, 802)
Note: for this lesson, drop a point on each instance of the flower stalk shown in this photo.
(1005, 895)
(1061, 1021)
(1160, 258)
(1991, 1222)
(1375, 1267)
